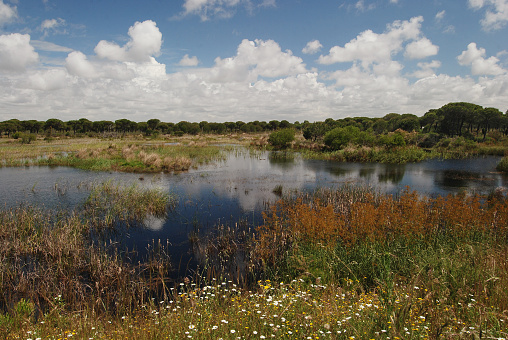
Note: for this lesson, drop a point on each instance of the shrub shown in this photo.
(503, 164)
(27, 138)
(337, 138)
(282, 139)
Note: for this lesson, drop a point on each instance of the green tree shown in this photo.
(339, 137)
(54, 124)
(455, 116)
(153, 124)
(282, 139)
(489, 118)
(315, 131)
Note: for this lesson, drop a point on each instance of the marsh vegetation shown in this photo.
(328, 264)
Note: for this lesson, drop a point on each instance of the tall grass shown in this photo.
(56, 262)
(118, 155)
(330, 265)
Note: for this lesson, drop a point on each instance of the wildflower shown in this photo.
(232, 331)
(215, 327)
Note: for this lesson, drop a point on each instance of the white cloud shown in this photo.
(189, 61)
(450, 29)
(475, 57)
(394, 1)
(16, 53)
(47, 80)
(440, 15)
(312, 47)
(257, 59)
(496, 15)
(145, 41)
(426, 69)
(369, 47)
(7, 13)
(261, 81)
(420, 49)
(360, 6)
(52, 23)
(49, 46)
(77, 64)
(207, 9)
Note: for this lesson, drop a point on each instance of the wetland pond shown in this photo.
(238, 189)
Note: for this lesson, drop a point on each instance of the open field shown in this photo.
(329, 265)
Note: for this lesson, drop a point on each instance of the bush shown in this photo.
(430, 140)
(503, 164)
(27, 138)
(282, 139)
(392, 140)
(338, 138)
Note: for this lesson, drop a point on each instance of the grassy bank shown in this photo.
(126, 154)
(328, 265)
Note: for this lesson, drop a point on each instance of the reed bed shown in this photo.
(60, 261)
(333, 264)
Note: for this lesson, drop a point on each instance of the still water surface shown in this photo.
(239, 187)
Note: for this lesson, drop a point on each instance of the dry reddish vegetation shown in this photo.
(383, 218)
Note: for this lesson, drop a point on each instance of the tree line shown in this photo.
(454, 119)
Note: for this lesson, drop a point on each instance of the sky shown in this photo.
(247, 60)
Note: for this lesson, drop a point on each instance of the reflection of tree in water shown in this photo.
(339, 172)
(457, 178)
(391, 173)
(367, 172)
(282, 159)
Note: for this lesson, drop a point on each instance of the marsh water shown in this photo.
(239, 188)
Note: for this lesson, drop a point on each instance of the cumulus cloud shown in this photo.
(420, 49)
(369, 47)
(145, 41)
(47, 80)
(312, 47)
(7, 13)
(255, 59)
(189, 61)
(207, 9)
(496, 15)
(77, 64)
(426, 69)
(475, 57)
(16, 53)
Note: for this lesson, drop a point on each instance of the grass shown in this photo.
(348, 263)
(126, 155)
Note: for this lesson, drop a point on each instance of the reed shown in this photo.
(330, 264)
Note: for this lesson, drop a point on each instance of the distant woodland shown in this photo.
(467, 120)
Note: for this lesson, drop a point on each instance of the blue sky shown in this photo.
(230, 60)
